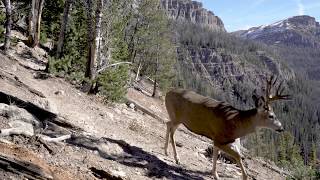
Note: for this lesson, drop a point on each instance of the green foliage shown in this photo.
(113, 84)
(50, 21)
(195, 37)
(290, 158)
(152, 42)
(59, 67)
(72, 64)
(2, 23)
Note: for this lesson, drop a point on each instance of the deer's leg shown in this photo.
(173, 128)
(236, 156)
(215, 153)
(167, 138)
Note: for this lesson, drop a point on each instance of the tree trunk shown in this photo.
(37, 34)
(90, 31)
(132, 48)
(64, 23)
(35, 22)
(156, 72)
(138, 71)
(97, 50)
(94, 35)
(8, 24)
(31, 21)
(155, 78)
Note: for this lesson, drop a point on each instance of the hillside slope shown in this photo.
(124, 142)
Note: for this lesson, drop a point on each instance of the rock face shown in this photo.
(298, 31)
(217, 67)
(192, 11)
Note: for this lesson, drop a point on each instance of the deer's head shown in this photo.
(266, 118)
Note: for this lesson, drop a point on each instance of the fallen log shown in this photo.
(26, 169)
(102, 174)
(41, 114)
(145, 110)
(19, 83)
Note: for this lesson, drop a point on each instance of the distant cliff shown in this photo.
(192, 11)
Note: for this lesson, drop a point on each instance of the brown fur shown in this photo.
(205, 116)
(216, 120)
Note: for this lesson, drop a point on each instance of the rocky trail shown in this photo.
(104, 141)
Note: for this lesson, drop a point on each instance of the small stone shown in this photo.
(60, 92)
(132, 106)
(96, 152)
(117, 111)
(119, 174)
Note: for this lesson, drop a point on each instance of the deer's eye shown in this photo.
(271, 116)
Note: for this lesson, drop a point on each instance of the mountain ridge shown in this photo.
(298, 31)
(192, 11)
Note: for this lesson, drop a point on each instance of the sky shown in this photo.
(243, 14)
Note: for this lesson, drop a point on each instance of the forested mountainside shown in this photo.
(225, 67)
(297, 39)
(105, 47)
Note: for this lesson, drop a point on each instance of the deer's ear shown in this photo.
(255, 98)
(261, 102)
(258, 102)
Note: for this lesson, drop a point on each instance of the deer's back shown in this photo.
(200, 114)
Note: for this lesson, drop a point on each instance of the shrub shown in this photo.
(113, 83)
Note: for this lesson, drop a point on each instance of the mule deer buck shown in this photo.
(220, 121)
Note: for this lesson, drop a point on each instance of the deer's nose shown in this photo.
(280, 130)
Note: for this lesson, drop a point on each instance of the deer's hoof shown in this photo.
(245, 177)
(178, 161)
(215, 175)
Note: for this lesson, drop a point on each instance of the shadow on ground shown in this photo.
(136, 157)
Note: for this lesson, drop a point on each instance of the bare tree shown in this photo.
(97, 50)
(94, 37)
(64, 23)
(35, 22)
(156, 73)
(90, 30)
(8, 24)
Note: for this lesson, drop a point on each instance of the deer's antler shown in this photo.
(272, 82)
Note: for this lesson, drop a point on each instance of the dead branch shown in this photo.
(145, 110)
(102, 174)
(141, 88)
(15, 131)
(57, 139)
(112, 65)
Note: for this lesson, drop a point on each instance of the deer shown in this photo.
(219, 121)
